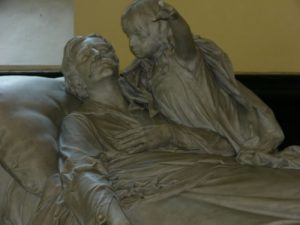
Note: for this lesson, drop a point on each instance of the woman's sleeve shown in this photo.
(201, 139)
(87, 189)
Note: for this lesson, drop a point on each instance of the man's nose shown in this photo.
(95, 51)
(96, 54)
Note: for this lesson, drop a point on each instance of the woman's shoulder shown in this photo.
(186, 68)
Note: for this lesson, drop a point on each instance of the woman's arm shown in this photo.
(200, 138)
(87, 189)
(162, 135)
(185, 48)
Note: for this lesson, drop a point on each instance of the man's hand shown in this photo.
(143, 138)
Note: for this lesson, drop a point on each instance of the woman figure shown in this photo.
(190, 80)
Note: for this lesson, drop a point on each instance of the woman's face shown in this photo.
(143, 35)
(95, 59)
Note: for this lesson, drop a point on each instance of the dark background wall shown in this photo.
(282, 94)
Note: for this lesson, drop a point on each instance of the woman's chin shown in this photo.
(140, 55)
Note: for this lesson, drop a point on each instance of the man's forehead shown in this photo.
(94, 40)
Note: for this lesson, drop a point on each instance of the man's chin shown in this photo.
(104, 73)
(107, 72)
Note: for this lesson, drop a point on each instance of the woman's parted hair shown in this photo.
(74, 83)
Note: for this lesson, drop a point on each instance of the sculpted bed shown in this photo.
(208, 189)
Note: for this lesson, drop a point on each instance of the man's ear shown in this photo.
(77, 84)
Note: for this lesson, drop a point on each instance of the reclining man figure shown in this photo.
(93, 139)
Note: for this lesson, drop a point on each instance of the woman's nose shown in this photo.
(132, 41)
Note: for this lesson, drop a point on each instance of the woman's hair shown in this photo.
(74, 83)
(147, 10)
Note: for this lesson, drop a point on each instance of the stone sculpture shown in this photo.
(105, 182)
(156, 146)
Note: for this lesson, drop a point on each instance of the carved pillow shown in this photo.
(31, 110)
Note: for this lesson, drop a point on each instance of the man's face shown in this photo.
(95, 59)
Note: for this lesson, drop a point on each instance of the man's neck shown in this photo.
(108, 92)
